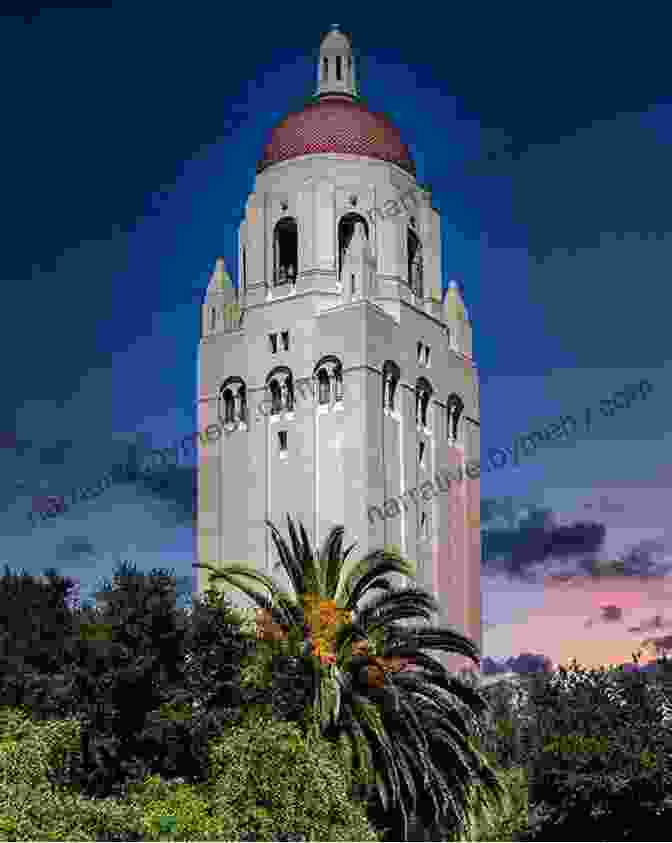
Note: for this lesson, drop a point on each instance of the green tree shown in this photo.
(406, 736)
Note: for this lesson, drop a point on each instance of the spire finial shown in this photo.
(220, 280)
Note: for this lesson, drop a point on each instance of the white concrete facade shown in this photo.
(358, 316)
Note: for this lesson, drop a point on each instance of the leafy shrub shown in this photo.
(614, 793)
(38, 813)
(281, 783)
(266, 783)
(135, 686)
(35, 623)
(180, 809)
(502, 733)
(30, 808)
(29, 749)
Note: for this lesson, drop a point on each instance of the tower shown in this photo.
(337, 377)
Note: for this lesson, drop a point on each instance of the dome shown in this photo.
(340, 124)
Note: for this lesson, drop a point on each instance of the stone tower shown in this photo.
(337, 376)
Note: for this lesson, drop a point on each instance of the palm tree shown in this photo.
(413, 747)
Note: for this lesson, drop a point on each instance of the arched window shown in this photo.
(391, 375)
(338, 68)
(415, 265)
(285, 251)
(423, 394)
(329, 376)
(213, 318)
(454, 408)
(280, 386)
(232, 401)
(325, 69)
(346, 228)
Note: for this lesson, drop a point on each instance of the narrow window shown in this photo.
(285, 340)
(276, 397)
(338, 386)
(391, 376)
(338, 68)
(325, 69)
(352, 284)
(424, 406)
(393, 386)
(324, 387)
(455, 407)
(282, 436)
(229, 406)
(421, 453)
(420, 353)
(427, 351)
(273, 340)
(285, 251)
(424, 524)
(213, 318)
(415, 271)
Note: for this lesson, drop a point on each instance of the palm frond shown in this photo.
(344, 636)
(287, 611)
(394, 606)
(297, 548)
(304, 556)
(407, 760)
(396, 613)
(462, 765)
(366, 580)
(332, 559)
(419, 726)
(415, 727)
(362, 752)
(446, 639)
(288, 562)
(243, 577)
(353, 570)
(312, 567)
(448, 779)
(347, 552)
(427, 691)
(369, 719)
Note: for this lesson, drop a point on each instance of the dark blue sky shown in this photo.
(130, 139)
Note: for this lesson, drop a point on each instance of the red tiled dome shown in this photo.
(336, 124)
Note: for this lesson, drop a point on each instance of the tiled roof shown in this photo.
(336, 124)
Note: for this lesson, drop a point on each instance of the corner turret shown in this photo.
(456, 317)
(221, 310)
